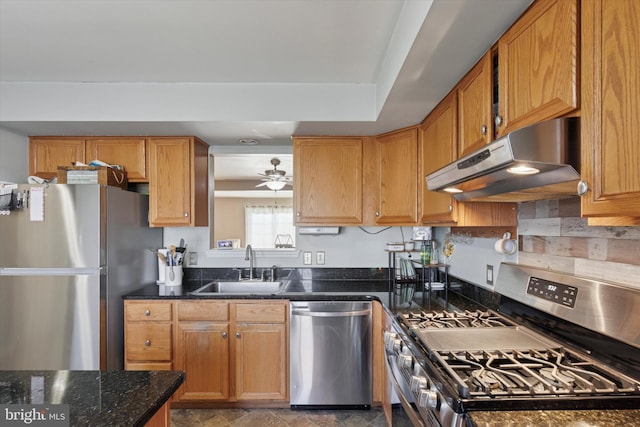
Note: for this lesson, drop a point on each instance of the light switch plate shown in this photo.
(320, 257)
(306, 260)
(489, 274)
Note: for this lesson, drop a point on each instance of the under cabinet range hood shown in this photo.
(540, 161)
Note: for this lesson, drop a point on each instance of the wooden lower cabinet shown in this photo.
(260, 368)
(232, 350)
(148, 335)
(202, 351)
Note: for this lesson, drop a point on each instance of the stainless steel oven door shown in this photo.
(398, 385)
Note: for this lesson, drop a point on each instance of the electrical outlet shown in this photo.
(320, 257)
(306, 260)
(193, 258)
(489, 274)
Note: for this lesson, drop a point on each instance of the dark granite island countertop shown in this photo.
(95, 398)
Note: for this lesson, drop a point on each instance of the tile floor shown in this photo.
(277, 418)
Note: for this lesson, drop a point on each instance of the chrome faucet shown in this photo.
(248, 256)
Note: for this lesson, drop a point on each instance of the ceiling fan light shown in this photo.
(276, 185)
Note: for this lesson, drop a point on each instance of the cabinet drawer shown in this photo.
(262, 312)
(147, 311)
(148, 366)
(148, 342)
(203, 310)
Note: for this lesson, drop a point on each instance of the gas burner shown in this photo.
(452, 319)
(534, 373)
(487, 380)
(557, 378)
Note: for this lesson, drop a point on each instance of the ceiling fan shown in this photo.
(275, 179)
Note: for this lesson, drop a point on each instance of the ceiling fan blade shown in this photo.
(261, 185)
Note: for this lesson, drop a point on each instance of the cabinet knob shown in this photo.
(583, 187)
(147, 343)
(450, 208)
(224, 335)
(483, 129)
(147, 313)
(186, 214)
(298, 213)
(377, 214)
(498, 120)
(237, 334)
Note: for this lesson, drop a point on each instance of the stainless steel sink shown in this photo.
(239, 287)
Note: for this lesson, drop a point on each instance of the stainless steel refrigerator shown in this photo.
(66, 259)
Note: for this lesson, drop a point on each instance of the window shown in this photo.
(265, 224)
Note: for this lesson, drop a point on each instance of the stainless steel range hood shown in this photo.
(551, 148)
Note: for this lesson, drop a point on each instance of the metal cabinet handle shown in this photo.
(237, 334)
(483, 129)
(186, 214)
(583, 187)
(450, 208)
(147, 312)
(224, 335)
(377, 213)
(147, 343)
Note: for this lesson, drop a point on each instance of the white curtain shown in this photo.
(264, 223)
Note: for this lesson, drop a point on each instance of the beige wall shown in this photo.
(229, 216)
(552, 235)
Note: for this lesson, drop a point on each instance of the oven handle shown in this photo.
(413, 415)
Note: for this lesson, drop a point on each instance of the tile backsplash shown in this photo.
(552, 235)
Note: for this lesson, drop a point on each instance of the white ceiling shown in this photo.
(230, 69)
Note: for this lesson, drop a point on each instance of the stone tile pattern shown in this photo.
(276, 418)
(552, 235)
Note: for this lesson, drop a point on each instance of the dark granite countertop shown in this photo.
(546, 418)
(464, 296)
(95, 398)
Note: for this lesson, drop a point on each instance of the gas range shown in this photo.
(457, 362)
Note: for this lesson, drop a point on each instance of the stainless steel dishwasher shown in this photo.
(330, 354)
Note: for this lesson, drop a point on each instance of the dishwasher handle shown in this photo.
(350, 313)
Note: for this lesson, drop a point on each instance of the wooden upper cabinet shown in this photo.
(395, 188)
(178, 182)
(328, 180)
(47, 153)
(475, 122)
(437, 148)
(128, 152)
(610, 123)
(538, 65)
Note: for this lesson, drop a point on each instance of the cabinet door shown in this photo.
(202, 351)
(128, 152)
(537, 69)
(397, 180)
(261, 361)
(46, 154)
(474, 107)
(437, 149)
(611, 109)
(170, 184)
(328, 180)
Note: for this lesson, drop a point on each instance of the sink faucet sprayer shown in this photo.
(248, 256)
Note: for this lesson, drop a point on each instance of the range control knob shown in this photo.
(405, 360)
(428, 399)
(418, 382)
